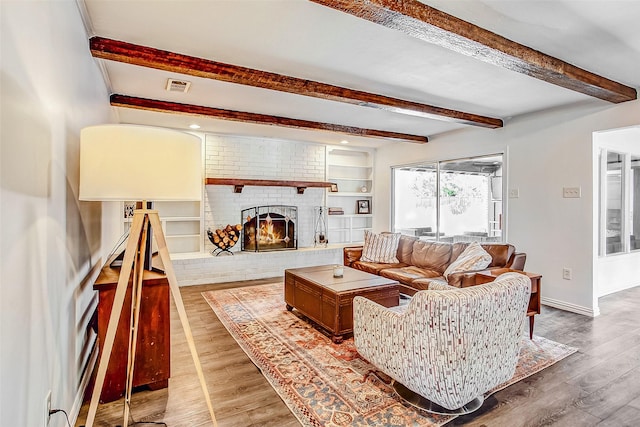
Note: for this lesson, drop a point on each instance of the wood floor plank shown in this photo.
(627, 416)
(574, 392)
(573, 365)
(569, 417)
(609, 371)
(613, 397)
(627, 339)
(635, 404)
(530, 403)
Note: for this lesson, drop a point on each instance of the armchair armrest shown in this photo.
(376, 331)
(351, 254)
(366, 310)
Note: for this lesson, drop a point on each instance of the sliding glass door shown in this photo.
(415, 200)
(453, 201)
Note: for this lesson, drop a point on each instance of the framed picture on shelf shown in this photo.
(363, 207)
(334, 187)
(128, 209)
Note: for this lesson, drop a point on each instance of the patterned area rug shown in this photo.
(326, 384)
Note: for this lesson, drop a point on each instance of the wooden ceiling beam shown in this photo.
(436, 27)
(129, 53)
(255, 118)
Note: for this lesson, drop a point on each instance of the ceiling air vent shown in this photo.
(174, 85)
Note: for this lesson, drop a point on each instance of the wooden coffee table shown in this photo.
(328, 301)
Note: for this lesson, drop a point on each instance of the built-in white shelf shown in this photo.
(181, 224)
(351, 169)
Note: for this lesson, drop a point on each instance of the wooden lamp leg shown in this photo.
(134, 322)
(118, 301)
(142, 218)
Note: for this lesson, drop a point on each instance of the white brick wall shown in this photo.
(256, 158)
(199, 269)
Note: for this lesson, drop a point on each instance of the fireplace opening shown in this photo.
(269, 228)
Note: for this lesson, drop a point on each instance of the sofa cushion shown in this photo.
(380, 247)
(471, 259)
(375, 267)
(431, 255)
(500, 252)
(405, 248)
(408, 274)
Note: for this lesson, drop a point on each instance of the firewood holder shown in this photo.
(218, 251)
(223, 239)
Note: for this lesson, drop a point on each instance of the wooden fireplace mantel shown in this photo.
(239, 183)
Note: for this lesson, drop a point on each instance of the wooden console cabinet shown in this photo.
(487, 276)
(152, 364)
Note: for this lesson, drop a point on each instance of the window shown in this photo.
(619, 202)
(614, 203)
(634, 238)
(453, 201)
(415, 200)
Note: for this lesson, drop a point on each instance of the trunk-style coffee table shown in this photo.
(328, 300)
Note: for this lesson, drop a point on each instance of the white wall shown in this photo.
(613, 273)
(50, 89)
(544, 152)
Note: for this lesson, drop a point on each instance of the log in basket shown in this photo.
(224, 238)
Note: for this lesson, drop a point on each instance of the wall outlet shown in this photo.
(571, 192)
(514, 193)
(47, 409)
(566, 273)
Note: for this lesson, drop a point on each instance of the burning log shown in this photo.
(224, 238)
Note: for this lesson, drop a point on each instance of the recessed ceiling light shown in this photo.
(344, 141)
(194, 126)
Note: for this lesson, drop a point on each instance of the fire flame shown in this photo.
(268, 233)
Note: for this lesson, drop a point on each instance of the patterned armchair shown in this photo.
(447, 346)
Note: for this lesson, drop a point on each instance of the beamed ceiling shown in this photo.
(371, 72)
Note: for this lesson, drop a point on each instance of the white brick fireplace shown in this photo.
(256, 158)
(253, 158)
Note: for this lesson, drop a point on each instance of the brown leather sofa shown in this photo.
(421, 262)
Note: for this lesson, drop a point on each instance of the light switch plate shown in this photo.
(514, 193)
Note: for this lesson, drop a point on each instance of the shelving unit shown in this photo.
(181, 224)
(352, 171)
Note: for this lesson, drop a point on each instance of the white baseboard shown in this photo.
(586, 311)
(84, 383)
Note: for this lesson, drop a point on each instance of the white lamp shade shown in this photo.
(130, 162)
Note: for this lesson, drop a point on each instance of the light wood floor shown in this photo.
(599, 385)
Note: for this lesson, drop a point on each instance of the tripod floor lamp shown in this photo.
(129, 162)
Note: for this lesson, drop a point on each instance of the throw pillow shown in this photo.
(474, 257)
(380, 247)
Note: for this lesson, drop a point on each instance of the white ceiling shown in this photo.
(306, 40)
